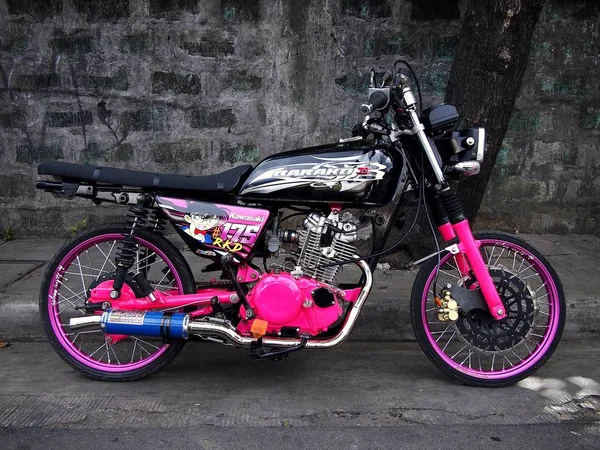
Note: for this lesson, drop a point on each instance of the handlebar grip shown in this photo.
(377, 100)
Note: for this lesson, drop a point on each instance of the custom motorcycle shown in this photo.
(119, 301)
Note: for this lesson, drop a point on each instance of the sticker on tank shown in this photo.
(340, 174)
(223, 228)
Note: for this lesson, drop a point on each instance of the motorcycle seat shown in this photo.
(220, 182)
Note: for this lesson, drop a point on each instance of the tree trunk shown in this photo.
(492, 56)
(486, 75)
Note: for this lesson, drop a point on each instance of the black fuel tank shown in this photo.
(354, 173)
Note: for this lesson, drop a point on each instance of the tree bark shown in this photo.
(486, 75)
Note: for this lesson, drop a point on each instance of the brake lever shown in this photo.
(386, 76)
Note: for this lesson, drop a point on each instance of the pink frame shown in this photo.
(172, 300)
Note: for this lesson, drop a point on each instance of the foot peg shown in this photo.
(257, 351)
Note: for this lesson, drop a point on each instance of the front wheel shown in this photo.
(476, 349)
(81, 265)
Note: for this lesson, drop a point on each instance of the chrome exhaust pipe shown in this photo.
(150, 323)
(84, 321)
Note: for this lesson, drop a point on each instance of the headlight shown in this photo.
(462, 151)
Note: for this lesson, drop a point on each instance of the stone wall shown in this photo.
(546, 177)
(194, 87)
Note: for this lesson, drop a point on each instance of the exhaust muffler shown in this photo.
(138, 323)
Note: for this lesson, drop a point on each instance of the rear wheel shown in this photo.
(476, 349)
(87, 261)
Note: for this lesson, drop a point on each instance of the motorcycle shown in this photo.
(119, 301)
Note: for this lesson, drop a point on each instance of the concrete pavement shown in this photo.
(361, 395)
(384, 317)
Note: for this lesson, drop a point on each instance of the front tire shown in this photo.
(475, 349)
(86, 260)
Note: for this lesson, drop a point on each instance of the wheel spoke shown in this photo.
(522, 271)
(139, 268)
(106, 256)
(72, 305)
(145, 342)
(467, 358)
(81, 273)
(449, 274)
(443, 332)
(115, 354)
(161, 280)
(491, 256)
(452, 357)
(97, 350)
(453, 334)
(454, 267)
(514, 353)
(499, 256)
(71, 290)
(84, 332)
(133, 350)
(530, 276)
(85, 274)
(106, 353)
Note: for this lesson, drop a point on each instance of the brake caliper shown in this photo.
(448, 308)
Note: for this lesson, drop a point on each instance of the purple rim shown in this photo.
(543, 345)
(53, 314)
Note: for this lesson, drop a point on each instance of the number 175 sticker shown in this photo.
(233, 236)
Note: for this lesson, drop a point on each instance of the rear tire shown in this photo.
(70, 274)
(477, 350)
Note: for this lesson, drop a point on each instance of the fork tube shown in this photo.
(445, 229)
(468, 246)
(419, 131)
(477, 264)
(448, 234)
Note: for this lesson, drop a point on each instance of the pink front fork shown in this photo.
(470, 258)
(448, 234)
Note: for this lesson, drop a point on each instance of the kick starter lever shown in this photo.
(226, 261)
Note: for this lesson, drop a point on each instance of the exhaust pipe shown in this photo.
(178, 325)
(84, 321)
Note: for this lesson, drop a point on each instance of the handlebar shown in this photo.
(377, 100)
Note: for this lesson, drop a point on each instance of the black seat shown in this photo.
(220, 182)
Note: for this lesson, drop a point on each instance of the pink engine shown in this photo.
(284, 301)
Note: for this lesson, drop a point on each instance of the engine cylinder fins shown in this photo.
(313, 255)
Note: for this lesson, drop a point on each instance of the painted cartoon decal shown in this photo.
(339, 173)
(224, 228)
(199, 223)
